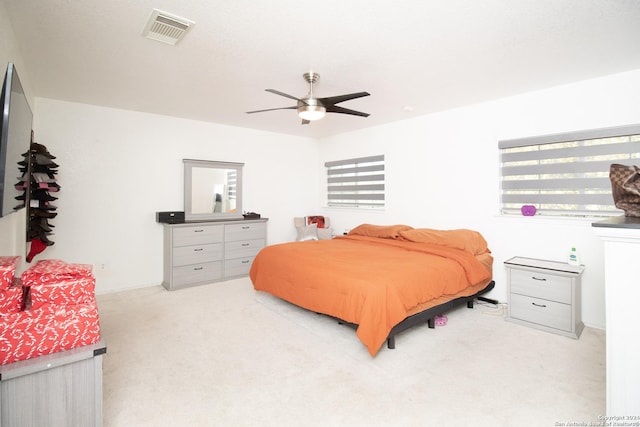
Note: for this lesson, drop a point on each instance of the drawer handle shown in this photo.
(245, 244)
(245, 261)
(246, 227)
(542, 279)
(198, 231)
(197, 268)
(198, 250)
(539, 305)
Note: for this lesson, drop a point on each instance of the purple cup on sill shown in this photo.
(528, 210)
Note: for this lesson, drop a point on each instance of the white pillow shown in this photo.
(309, 232)
(325, 233)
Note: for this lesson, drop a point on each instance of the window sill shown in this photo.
(352, 209)
(550, 219)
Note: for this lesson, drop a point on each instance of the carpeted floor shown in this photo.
(226, 355)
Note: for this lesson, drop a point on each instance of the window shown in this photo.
(566, 174)
(232, 183)
(356, 183)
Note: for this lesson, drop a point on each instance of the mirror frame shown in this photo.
(189, 165)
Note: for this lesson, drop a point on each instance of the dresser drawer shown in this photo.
(197, 235)
(541, 285)
(245, 231)
(197, 254)
(197, 273)
(237, 267)
(243, 248)
(540, 311)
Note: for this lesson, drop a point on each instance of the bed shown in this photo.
(379, 279)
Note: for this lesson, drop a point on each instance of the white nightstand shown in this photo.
(545, 295)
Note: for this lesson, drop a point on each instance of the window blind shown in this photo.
(356, 183)
(566, 174)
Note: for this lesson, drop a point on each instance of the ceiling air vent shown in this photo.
(165, 27)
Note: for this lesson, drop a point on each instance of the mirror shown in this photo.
(212, 190)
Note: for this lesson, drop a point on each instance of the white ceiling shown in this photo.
(413, 56)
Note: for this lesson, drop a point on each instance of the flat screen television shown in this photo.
(15, 139)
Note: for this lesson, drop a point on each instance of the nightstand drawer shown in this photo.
(540, 311)
(197, 235)
(541, 285)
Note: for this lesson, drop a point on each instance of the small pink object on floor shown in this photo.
(441, 320)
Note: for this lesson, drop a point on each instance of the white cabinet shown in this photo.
(621, 237)
(204, 252)
(545, 295)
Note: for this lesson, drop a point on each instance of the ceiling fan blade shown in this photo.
(272, 109)
(341, 110)
(286, 95)
(332, 100)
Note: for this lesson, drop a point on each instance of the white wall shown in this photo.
(442, 171)
(117, 168)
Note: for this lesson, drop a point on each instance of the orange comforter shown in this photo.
(367, 281)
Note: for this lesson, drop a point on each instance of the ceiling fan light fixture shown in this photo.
(311, 108)
(311, 112)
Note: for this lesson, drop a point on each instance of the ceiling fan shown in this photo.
(311, 108)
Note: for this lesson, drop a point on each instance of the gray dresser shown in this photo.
(197, 253)
(545, 295)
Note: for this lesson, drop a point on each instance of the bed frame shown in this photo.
(428, 315)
